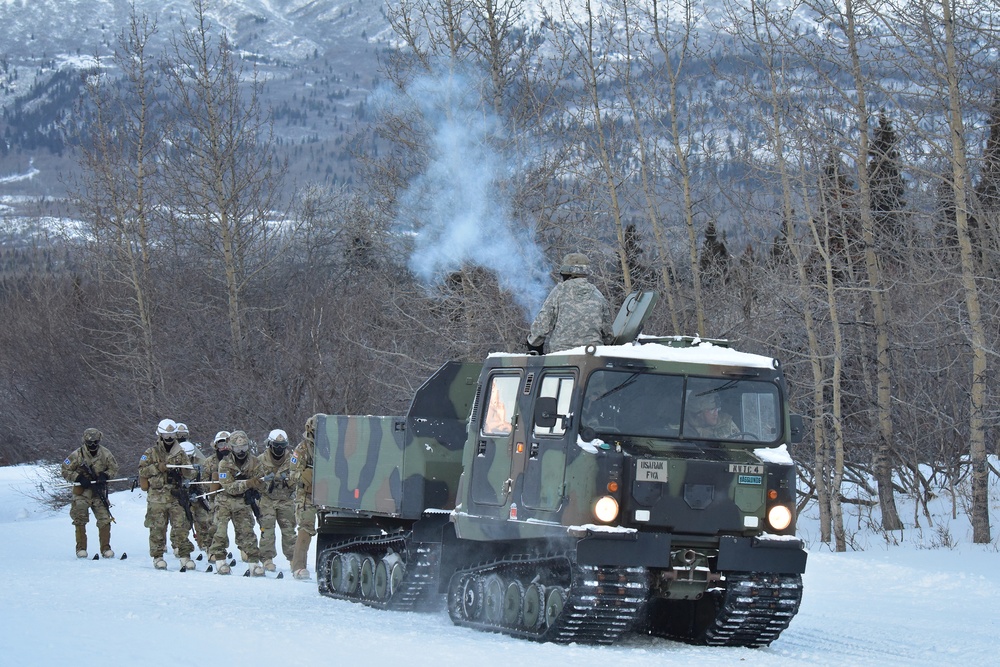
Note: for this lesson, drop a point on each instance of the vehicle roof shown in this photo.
(697, 352)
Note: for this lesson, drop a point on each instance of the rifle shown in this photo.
(100, 486)
(180, 492)
(250, 497)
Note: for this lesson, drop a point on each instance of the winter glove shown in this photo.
(255, 483)
(84, 480)
(162, 466)
(268, 478)
(102, 477)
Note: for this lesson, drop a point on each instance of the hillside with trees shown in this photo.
(822, 191)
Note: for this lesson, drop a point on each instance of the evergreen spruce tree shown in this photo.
(887, 190)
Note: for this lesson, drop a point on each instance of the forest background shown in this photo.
(826, 192)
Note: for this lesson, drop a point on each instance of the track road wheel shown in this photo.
(532, 605)
(555, 598)
(493, 591)
(351, 573)
(511, 613)
(469, 598)
(335, 573)
(367, 577)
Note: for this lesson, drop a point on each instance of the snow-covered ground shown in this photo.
(887, 605)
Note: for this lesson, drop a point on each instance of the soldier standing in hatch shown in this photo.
(240, 475)
(305, 510)
(90, 467)
(167, 487)
(277, 501)
(575, 313)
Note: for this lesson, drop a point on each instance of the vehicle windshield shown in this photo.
(646, 404)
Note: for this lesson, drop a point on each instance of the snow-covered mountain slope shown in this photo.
(883, 606)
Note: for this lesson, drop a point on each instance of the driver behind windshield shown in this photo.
(705, 418)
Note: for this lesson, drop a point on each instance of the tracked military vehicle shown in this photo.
(574, 496)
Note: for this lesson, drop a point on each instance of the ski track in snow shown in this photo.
(895, 606)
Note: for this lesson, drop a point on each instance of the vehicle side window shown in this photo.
(559, 387)
(500, 405)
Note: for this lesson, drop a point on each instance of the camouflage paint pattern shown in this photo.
(396, 466)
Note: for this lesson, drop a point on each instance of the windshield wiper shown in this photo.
(624, 383)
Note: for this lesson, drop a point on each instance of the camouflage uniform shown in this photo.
(162, 504)
(204, 515)
(277, 506)
(102, 464)
(575, 312)
(211, 472)
(305, 510)
(236, 478)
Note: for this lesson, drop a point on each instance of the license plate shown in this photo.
(746, 468)
(651, 470)
(750, 479)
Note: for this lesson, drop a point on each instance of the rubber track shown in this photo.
(419, 586)
(754, 610)
(602, 603)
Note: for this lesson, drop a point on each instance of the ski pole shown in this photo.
(71, 484)
(179, 465)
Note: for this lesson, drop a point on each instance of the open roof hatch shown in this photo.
(632, 316)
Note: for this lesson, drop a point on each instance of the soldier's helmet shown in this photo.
(92, 438)
(576, 265)
(311, 426)
(221, 441)
(697, 403)
(167, 428)
(277, 441)
(239, 444)
(182, 431)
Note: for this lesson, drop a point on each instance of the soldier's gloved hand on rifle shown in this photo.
(102, 477)
(255, 483)
(268, 478)
(162, 466)
(284, 479)
(84, 479)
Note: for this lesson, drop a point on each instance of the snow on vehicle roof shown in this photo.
(698, 352)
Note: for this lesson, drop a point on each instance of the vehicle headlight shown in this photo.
(606, 509)
(780, 517)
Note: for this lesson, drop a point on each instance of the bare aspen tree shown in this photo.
(119, 160)
(223, 180)
(663, 65)
(855, 99)
(586, 48)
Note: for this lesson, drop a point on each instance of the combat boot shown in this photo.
(257, 570)
(302, 540)
(223, 568)
(81, 541)
(187, 563)
(269, 565)
(105, 536)
(159, 563)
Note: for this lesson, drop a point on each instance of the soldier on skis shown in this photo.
(164, 472)
(240, 476)
(90, 467)
(277, 502)
(305, 510)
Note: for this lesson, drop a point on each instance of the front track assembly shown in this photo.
(385, 572)
(550, 598)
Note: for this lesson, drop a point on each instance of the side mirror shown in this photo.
(798, 430)
(546, 412)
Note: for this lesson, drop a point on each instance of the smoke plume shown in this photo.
(456, 207)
